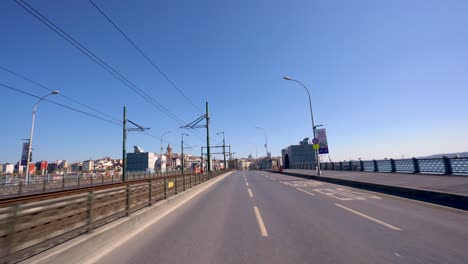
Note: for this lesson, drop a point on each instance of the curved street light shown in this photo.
(32, 132)
(224, 148)
(287, 78)
(266, 139)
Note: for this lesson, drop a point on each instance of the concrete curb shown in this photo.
(86, 248)
(447, 199)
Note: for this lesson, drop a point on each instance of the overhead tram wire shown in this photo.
(62, 105)
(145, 56)
(60, 94)
(97, 60)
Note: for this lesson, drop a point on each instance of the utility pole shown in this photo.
(208, 138)
(124, 141)
(182, 146)
(201, 159)
(224, 148)
(124, 146)
(224, 151)
(193, 125)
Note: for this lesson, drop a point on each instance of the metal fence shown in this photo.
(28, 228)
(455, 166)
(51, 183)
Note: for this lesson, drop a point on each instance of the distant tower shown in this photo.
(169, 149)
(250, 156)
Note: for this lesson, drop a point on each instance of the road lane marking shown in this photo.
(246, 183)
(261, 225)
(250, 192)
(368, 217)
(330, 193)
(305, 191)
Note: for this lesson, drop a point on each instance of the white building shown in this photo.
(8, 168)
(88, 166)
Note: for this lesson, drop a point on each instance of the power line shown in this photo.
(145, 56)
(96, 59)
(60, 94)
(59, 104)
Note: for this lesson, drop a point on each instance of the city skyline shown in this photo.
(387, 79)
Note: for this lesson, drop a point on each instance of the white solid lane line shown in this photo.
(368, 217)
(261, 225)
(246, 183)
(250, 192)
(305, 191)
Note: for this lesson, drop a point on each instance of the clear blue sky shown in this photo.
(387, 78)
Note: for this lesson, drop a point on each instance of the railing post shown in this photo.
(392, 165)
(63, 182)
(175, 184)
(350, 166)
(190, 180)
(127, 205)
(11, 229)
(416, 166)
(79, 181)
(361, 165)
(333, 166)
(448, 168)
(165, 189)
(90, 211)
(341, 165)
(44, 185)
(376, 167)
(150, 198)
(183, 176)
(102, 178)
(20, 190)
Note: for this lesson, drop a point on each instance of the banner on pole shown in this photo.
(24, 154)
(322, 138)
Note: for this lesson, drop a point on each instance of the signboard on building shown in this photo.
(24, 154)
(321, 135)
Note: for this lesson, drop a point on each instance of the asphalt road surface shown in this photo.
(261, 217)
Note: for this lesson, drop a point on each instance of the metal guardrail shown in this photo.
(448, 166)
(28, 228)
(45, 184)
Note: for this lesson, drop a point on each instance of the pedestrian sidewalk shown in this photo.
(439, 183)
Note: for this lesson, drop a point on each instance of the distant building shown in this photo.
(76, 167)
(298, 157)
(88, 166)
(42, 167)
(141, 161)
(8, 168)
(52, 167)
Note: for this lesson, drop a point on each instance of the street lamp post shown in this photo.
(266, 139)
(182, 146)
(312, 119)
(224, 149)
(161, 155)
(266, 144)
(32, 132)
